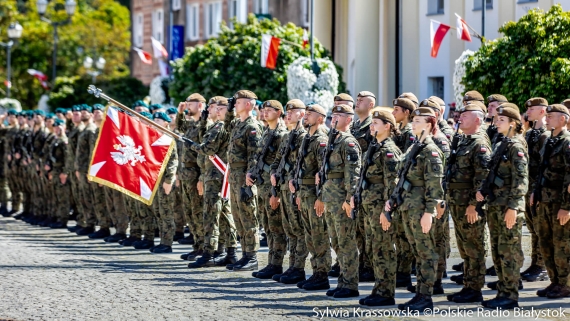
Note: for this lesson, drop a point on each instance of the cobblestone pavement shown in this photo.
(55, 275)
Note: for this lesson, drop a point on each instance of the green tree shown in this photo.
(98, 28)
(232, 61)
(530, 60)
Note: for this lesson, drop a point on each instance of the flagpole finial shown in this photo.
(94, 91)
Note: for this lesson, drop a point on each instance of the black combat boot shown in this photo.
(335, 271)
(74, 229)
(346, 293)
(559, 291)
(85, 230)
(404, 306)
(493, 285)
(377, 301)
(101, 234)
(238, 262)
(206, 260)
(270, 272)
(296, 275)
(162, 248)
(178, 236)
(468, 295)
(47, 221)
(500, 303)
(220, 254)
(403, 280)
(437, 287)
(130, 241)
(58, 225)
(309, 280)
(277, 277)
(491, 271)
(254, 273)
(188, 240)
(458, 279)
(366, 275)
(4, 211)
(230, 257)
(534, 273)
(143, 244)
(115, 238)
(320, 282)
(542, 293)
(193, 256)
(423, 302)
(457, 267)
(249, 264)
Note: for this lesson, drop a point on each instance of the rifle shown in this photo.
(450, 162)
(326, 155)
(362, 183)
(255, 174)
(284, 167)
(492, 178)
(299, 163)
(540, 179)
(396, 199)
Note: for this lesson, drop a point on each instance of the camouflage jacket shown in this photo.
(406, 138)
(83, 150)
(445, 129)
(361, 131)
(72, 140)
(19, 144)
(311, 161)
(424, 177)
(292, 157)
(8, 136)
(443, 144)
(345, 162)
(279, 133)
(28, 143)
(471, 167)
(191, 130)
(556, 175)
(46, 150)
(215, 142)
(169, 174)
(201, 158)
(39, 139)
(58, 154)
(535, 139)
(513, 171)
(382, 173)
(245, 138)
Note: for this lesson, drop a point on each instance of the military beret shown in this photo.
(385, 116)
(498, 98)
(411, 97)
(438, 101)
(423, 111)
(60, 110)
(221, 101)
(316, 108)
(404, 103)
(140, 103)
(76, 108)
(245, 94)
(12, 112)
(473, 95)
(162, 115)
(295, 104)
(473, 105)
(86, 107)
(39, 112)
(343, 109)
(171, 111)
(98, 107)
(146, 114)
(343, 97)
(196, 97)
(154, 107)
(213, 100)
(366, 94)
(431, 104)
(273, 104)
(566, 103)
(23, 113)
(50, 116)
(58, 122)
(536, 101)
(557, 108)
(510, 110)
(30, 114)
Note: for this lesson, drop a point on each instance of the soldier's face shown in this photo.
(312, 118)
(419, 124)
(49, 123)
(242, 104)
(468, 121)
(503, 123)
(492, 108)
(21, 120)
(535, 112)
(173, 117)
(76, 116)
(379, 127)
(212, 110)
(364, 105)
(69, 115)
(97, 115)
(85, 115)
(399, 113)
(294, 115)
(161, 122)
(193, 107)
(271, 114)
(12, 119)
(221, 111)
(556, 120)
(58, 130)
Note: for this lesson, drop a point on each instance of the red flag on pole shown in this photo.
(269, 51)
(39, 76)
(145, 56)
(305, 38)
(437, 33)
(130, 156)
(158, 49)
(462, 29)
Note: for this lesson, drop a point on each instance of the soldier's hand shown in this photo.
(317, 179)
(568, 188)
(273, 180)
(384, 222)
(77, 174)
(63, 178)
(50, 176)
(440, 209)
(471, 214)
(426, 222)
(248, 180)
(181, 107)
(46, 167)
(319, 208)
(17, 155)
(387, 207)
(200, 187)
(37, 168)
(9, 158)
(177, 183)
(25, 162)
(167, 188)
(291, 187)
(563, 216)
(510, 218)
(298, 201)
(274, 202)
(352, 202)
(479, 197)
(531, 201)
(346, 207)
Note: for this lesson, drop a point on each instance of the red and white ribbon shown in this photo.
(221, 166)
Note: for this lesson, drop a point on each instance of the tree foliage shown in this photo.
(531, 60)
(232, 61)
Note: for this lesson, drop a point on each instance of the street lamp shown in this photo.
(99, 65)
(41, 5)
(14, 32)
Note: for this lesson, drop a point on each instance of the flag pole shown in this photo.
(99, 94)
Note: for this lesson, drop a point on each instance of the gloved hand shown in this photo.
(188, 142)
(231, 104)
(204, 115)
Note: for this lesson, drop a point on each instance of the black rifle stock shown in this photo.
(299, 164)
(326, 155)
(284, 167)
(450, 162)
(362, 183)
(255, 173)
(537, 191)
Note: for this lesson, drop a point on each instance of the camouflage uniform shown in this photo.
(147, 222)
(28, 173)
(72, 138)
(470, 168)
(135, 223)
(102, 213)
(442, 224)
(81, 165)
(48, 190)
(11, 167)
(445, 128)
(506, 243)
(425, 191)
(406, 138)
(179, 218)
(57, 156)
(117, 209)
(22, 171)
(39, 182)
(4, 188)
(162, 204)
(344, 167)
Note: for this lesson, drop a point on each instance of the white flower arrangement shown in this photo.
(157, 95)
(9, 103)
(303, 84)
(458, 74)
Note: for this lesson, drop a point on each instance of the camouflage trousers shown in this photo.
(219, 225)
(101, 211)
(403, 248)
(532, 226)
(87, 202)
(294, 230)
(364, 256)
(135, 228)
(316, 235)
(39, 195)
(76, 196)
(245, 214)
(381, 247)
(332, 236)
(117, 209)
(193, 210)
(273, 225)
(4, 187)
(441, 233)
(25, 180)
(61, 192)
(554, 243)
(15, 186)
(49, 194)
(506, 248)
(345, 233)
(147, 222)
(423, 247)
(179, 218)
(163, 210)
(471, 246)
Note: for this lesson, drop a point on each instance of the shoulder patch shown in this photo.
(483, 149)
(448, 136)
(434, 154)
(351, 144)
(253, 132)
(521, 154)
(412, 138)
(444, 142)
(322, 144)
(390, 155)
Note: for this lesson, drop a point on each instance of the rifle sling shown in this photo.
(335, 175)
(306, 181)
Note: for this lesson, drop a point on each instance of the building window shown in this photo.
(193, 21)
(306, 12)
(478, 4)
(138, 32)
(261, 6)
(435, 86)
(237, 9)
(435, 7)
(158, 25)
(176, 5)
(525, 1)
(212, 19)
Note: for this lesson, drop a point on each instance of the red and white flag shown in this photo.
(269, 51)
(158, 49)
(145, 56)
(305, 38)
(39, 76)
(437, 33)
(130, 156)
(222, 167)
(462, 29)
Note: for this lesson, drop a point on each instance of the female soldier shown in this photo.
(505, 211)
(382, 157)
(421, 193)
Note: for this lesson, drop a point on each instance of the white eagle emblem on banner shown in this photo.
(127, 152)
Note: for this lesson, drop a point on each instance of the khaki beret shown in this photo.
(411, 97)
(273, 104)
(431, 104)
(196, 97)
(317, 109)
(566, 103)
(218, 100)
(423, 111)
(366, 94)
(536, 101)
(343, 97)
(557, 108)
(404, 103)
(385, 116)
(474, 105)
(438, 100)
(343, 109)
(295, 104)
(498, 98)
(245, 94)
(510, 110)
(473, 95)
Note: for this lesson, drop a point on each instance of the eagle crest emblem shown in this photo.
(127, 152)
